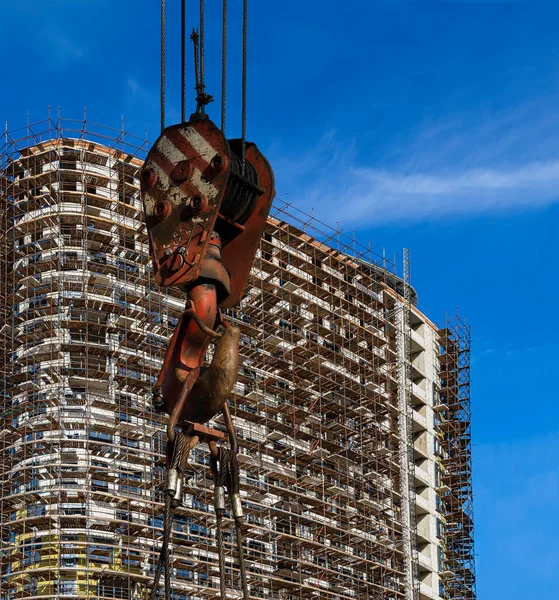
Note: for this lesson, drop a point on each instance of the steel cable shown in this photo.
(222, 482)
(177, 456)
(164, 560)
(202, 64)
(244, 90)
(183, 61)
(223, 66)
(168, 528)
(221, 556)
(195, 37)
(234, 490)
(240, 552)
(162, 65)
(156, 578)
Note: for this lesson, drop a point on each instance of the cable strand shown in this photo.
(219, 474)
(241, 554)
(167, 559)
(183, 61)
(221, 555)
(162, 65)
(202, 63)
(223, 66)
(244, 90)
(164, 560)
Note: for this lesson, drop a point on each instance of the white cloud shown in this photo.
(393, 196)
(348, 192)
(446, 169)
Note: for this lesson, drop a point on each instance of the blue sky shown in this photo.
(425, 124)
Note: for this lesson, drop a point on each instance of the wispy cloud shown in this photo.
(453, 168)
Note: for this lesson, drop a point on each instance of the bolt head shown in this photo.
(219, 164)
(162, 209)
(182, 171)
(198, 203)
(147, 178)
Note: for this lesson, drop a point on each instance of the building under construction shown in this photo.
(351, 406)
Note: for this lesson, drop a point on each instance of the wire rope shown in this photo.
(183, 61)
(224, 67)
(162, 98)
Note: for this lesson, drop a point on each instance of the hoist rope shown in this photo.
(223, 66)
(195, 37)
(219, 471)
(234, 490)
(183, 61)
(178, 451)
(162, 65)
(225, 474)
(164, 558)
(240, 552)
(168, 527)
(244, 90)
(202, 65)
(221, 557)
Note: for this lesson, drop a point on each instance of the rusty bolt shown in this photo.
(162, 209)
(198, 203)
(217, 162)
(181, 250)
(181, 171)
(218, 165)
(168, 252)
(147, 178)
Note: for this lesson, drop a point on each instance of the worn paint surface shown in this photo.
(181, 204)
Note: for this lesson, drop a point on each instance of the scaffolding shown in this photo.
(407, 436)
(316, 405)
(456, 466)
(81, 343)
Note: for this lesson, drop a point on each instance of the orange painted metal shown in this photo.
(205, 212)
(182, 192)
(187, 176)
(238, 254)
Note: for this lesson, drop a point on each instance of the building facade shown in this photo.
(352, 407)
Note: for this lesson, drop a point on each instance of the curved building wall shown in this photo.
(316, 405)
(83, 343)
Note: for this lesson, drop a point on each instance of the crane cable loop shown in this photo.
(225, 473)
(177, 453)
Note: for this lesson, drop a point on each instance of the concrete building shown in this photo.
(352, 407)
